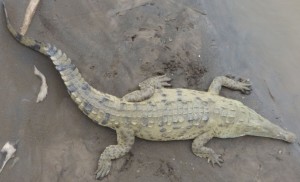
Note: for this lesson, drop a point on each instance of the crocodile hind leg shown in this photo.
(125, 139)
(148, 88)
(205, 152)
(241, 85)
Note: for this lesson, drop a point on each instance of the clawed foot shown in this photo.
(103, 168)
(243, 85)
(230, 76)
(211, 156)
(214, 158)
(157, 82)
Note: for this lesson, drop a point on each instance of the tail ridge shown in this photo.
(27, 41)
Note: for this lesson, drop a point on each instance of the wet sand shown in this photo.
(117, 45)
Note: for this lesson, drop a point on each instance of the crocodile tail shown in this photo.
(85, 96)
(27, 41)
(69, 73)
(63, 64)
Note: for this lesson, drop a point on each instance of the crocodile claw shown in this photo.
(215, 159)
(230, 76)
(157, 82)
(245, 86)
(162, 81)
(103, 168)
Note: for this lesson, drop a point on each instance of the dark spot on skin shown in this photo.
(190, 117)
(145, 122)
(103, 99)
(195, 116)
(60, 68)
(190, 120)
(159, 91)
(86, 86)
(106, 118)
(38, 42)
(161, 124)
(122, 105)
(164, 135)
(127, 120)
(205, 118)
(52, 50)
(150, 106)
(136, 107)
(182, 133)
(65, 67)
(198, 98)
(221, 125)
(205, 103)
(189, 127)
(151, 103)
(168, 103)
(71, 88)
(87, 109)
(179, 92)
(19, 37)
(179, 99)
(162, 130)
(35, 47)
(210, 100)
(72, 66)
(164, 95)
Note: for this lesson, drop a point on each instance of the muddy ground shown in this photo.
(118, 44)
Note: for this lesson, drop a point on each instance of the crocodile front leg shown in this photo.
(125, 139)
(147, 88)
(241, 85)
(205, 152)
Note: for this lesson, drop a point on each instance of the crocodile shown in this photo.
(158, 113)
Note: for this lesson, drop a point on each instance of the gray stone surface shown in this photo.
(117, 45)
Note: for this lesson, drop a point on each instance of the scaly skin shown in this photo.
(160, 114)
